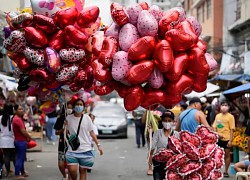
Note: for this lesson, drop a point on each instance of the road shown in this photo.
(122, 160)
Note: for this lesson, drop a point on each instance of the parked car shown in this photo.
(111, 120)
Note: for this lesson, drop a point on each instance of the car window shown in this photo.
(110, 111)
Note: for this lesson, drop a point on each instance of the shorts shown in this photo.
(223, 144)
(84, 159)
(61, 156)
(246, 163)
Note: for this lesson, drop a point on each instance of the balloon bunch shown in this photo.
(151, 57)
(193, 156)
(50, 48)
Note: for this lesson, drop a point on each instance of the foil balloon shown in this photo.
(72, 54)
(156, 11)
(81, 76)
(144, 5)
(163, 56)
(142, 49)
(23, 64)
(70, 3)
(31, 144)
(35, 37)
(34, 56)
(92, 28)
(65, 17)
(156, 79)
(109, 48)
(202, 45)
(178, 68)
(18, 21)
(44, 7)
(200, 83)
(128, 36)
(15, 42)
(140, 72)
(31, 100)
(118, 14)
(75, 37)
(57, 40)
(121, 89)
(67, 72)
(88, 16)
(74, 87)
(52, 60)
(97, 42)
(100, 72)
(133, 13)
(133, 97)
(53, 84)
(88, 83)
(147, 24)
(120, 66)
(44, 94)
(7, 31)
(152, 97)
(195, 24)
(48, 107)
(32, 91)
(46, 24)
(113, 30)
(39, 75)
(105, 89)
(182, 38)
(212, 63)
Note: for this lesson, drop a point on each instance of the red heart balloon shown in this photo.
(97, 42)
(121, 89)
(179, 66)
(81, 76)
(100, 72)
(53, 84)
(152, 97)
(52, 60)
(57, 40)
(144, 5)
(109, 48)
(15, 42)
(44, 23)
(183, 37)
(35, 37)
(140, 72)
(23, 64)
(118, 14)
(142, 49)
(171, 100)
(34, 56)
(133, 98)
(173, 175)
(105, 89)
(39, 75)
(202, 45)
(31, 144)
(163, 56)
(197, 63)
(88, 16)
(88, 83)
(65, 17)
(200, 83)
(20, 20)
(32, 91)
(75, 87)
(75, 37)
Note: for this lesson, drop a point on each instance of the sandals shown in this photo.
(225, 175)
(19, 177)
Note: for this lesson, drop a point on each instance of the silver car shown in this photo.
(111, 120)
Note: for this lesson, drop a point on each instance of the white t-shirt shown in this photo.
(6, 136)
(95, 132)
(85, 128)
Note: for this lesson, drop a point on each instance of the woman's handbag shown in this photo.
(73, 139)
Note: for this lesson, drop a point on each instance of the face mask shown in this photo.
(224, 109)
(78, 109)
(69, 111)
(167, 125)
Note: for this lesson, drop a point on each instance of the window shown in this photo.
(238, 9)
(209, 8)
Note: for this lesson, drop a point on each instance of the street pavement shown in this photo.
(122, 160)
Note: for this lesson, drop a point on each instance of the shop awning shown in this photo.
(231, 77)
(237, 91)
(210, 89)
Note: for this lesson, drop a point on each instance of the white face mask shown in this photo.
(69, 111)
(167, 125)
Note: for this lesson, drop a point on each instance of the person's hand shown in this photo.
(100, 150)
(229, 144)
(28, 139)
(149, 126)
(150, 160)
(220, 136)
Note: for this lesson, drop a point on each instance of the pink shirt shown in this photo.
(17, 125)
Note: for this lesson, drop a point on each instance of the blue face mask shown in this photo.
(78, 109)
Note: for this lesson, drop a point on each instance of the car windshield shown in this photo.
(108, 111)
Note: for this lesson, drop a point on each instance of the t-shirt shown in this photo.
(6, 135)
(223, 123)
(85, 128)
(17, 125)
(58, 126)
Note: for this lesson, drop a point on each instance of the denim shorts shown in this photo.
(246, 163)
(84, 159)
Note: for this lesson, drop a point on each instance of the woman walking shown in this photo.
(79, 127)
(21, 139)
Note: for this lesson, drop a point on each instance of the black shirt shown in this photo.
(58, 126)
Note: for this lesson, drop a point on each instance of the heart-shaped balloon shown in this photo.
(189, 167)
(191, 151)
(153, 97)
(212, 63)
(15, 42)
(32, 91)
(65, 17)
(75, 87)
(67, 72)
(200, 83)
(206, 150)
(178, 68)
(147, 25)
(183, 37)
(39, 75)
(217, 174)
(218, 156)
(92, 28)
(156, 79)
(121, 89)
(193, 176)
(7, 31)
(97, 42)
(52, 60)
(23, 64)
(109, 48)
(88, 83)
(186, 136)
(88, 16)
(140, 72)
(202, 45)
(34, 56)
(17, 21)
(72, 54)
(35, 37)
(46, 24)
(172, 175)
(53, 84)
(75, 37)
(120, 66)
(57, 40)
(31, 144)
(156, 11)
(144, 5)
(133, 98)
(100, 72)
(48, 107)
(133, 13)
(207, 136)
(207, 168)
(118, 14)
(113, 30)
(81, 76)
(174, 144)
(128, 36)
(176, 161)
(163, 56)
(142, 49)
(163, 155)
(105, 89)
(195, 24)
(44, 7)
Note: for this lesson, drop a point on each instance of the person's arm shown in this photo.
(58, 132)
(178, 124)
(232, 127)
(92, 134)
(154, 143)
(202, 119)
(25, 133)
